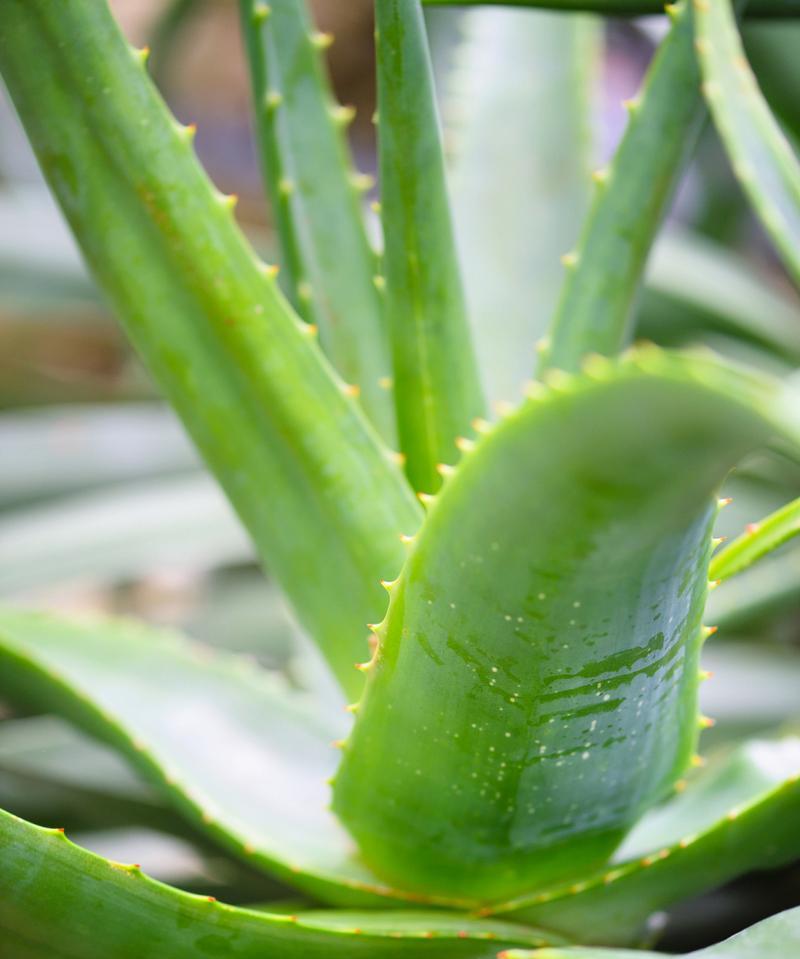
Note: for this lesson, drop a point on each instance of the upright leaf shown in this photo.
(437, 393)
(534, 688)
(317, 492)
(604, 272)
(517, 110)
(758, 540)
(329, 266)
(762, 157)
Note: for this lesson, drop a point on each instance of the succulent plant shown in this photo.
(516, 763)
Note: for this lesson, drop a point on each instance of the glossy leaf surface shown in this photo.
(535, 684)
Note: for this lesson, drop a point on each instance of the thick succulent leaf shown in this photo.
(318, 493)
(741, 815)
(774, 938)
(695, 286)
(770, 587)
(119, 533)
(624, 8)
(757, 541)
(762, 157)
(604, 272)
(516, 110)
(243, 756)
(329, 266)
(437, 393)
(535, 682)
(57, 899)
(57, 450)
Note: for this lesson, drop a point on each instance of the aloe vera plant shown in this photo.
(513, 609)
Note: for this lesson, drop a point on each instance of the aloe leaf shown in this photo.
(516, 109)
(771, 587)
(329, 265)
(241, 755)
(437, 393)
(739, 816)
(623, 8)
(604, 272)
(109, 535)
(60, 899)
(694, 286)
(756, 541)
(761, 156)
(775, 938)
(57, 450)
(319, 495)
(531, 696)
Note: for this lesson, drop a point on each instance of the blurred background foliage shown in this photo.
(104, 506)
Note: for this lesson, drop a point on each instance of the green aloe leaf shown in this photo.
(758, 540)
(740, 815)
(775, 938)
(244, 757)
(516, 109)
(437, 392)
(761, 156)
(604, 272)
(316, 198)
(695, 287)
(532, 695)
(771, 587)
(624, 8)
(109, 535)
(320, 496)
(59, 899)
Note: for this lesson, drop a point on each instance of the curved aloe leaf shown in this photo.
(741, 815)
(532, 695)
(623, 8)
(317, 492)
(437, 393)
(329, 265)
(632, 194)
(757, 540)
(516, 109)
(762, 157)
(57, 897)
(245, 758)
(774, 938)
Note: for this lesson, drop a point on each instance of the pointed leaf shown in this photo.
(757, 541)
(534, 689)
(59, 899)
(329, 265)
(774, 938)
(319, 495)
(632, 195)
(762, 157)
(243, 756)
(516, 108)
(437, 393)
